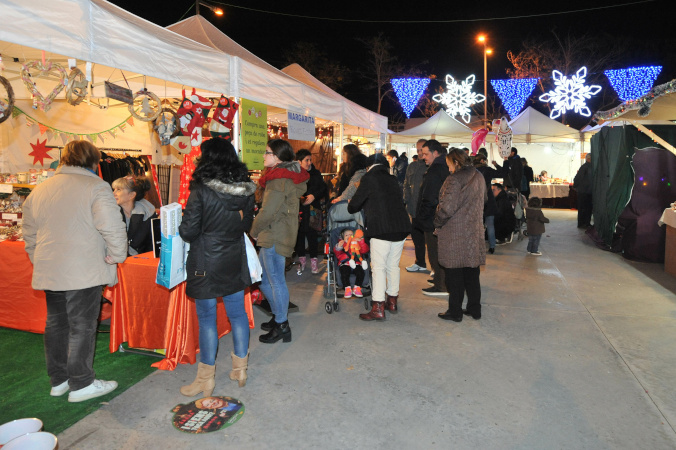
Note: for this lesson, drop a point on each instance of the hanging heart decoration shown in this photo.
(44, 70)
(146, 106)
(77, 87)
(6, 102)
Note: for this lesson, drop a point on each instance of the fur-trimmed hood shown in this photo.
(238, 189)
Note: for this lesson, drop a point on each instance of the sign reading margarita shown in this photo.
(254, 133)
(301, 127)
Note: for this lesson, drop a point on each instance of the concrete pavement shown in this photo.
(575, 349)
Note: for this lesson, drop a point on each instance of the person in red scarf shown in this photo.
(275, 228)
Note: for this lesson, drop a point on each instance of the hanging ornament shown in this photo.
(6, 101)
(166, 125)
(77, 87)
(221, 124)
(44, 70)
(503, 136)
(146, 106)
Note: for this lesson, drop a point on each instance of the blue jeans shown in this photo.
(273, 284)
(490, 230)
(70, 335)
(206, 313)
(533, 242)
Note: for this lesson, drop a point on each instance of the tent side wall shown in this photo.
(612, 151)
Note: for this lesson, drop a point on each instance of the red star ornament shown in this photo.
(39, 152)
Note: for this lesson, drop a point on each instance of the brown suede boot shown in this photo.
(204, 381)
(239, 366)
(391, 304)
(377, 312)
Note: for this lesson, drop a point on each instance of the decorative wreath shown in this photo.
(77, 87)
(44, 70)
(167, 127)
(6, 107)
(146, 113)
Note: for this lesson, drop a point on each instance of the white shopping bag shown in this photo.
(255, 269)
(173, 250)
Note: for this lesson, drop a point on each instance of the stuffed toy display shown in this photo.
(221, 121)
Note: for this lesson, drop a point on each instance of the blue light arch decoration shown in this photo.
(514, 92)
(634, 82)
(409, 91)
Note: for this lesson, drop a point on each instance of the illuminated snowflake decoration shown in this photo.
(570, 94)
(459, 97)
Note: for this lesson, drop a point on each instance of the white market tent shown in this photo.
(531, 126)
(440, 126)
(114, 40)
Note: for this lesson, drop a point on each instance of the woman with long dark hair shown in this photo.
(275, 227)
(353, 160)
(218, 213)
(458, 224)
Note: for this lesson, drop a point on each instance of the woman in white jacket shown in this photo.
(74, 238)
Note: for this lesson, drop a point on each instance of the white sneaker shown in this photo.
(59, 390)
(536, 253)
(416, 268)
(96, 389)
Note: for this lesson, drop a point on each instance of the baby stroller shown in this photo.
(338, 220)
(519, 202)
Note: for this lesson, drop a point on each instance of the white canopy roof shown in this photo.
(353, 114)
(532, 126)
(440, 126)
(111, 38)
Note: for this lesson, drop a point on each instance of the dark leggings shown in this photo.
(312, 236)
(345, 272)
(459, 281)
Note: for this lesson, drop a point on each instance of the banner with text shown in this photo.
(301, 127)
(254, 133)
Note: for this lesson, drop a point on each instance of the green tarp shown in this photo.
(612, 150)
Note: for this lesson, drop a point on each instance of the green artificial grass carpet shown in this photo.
(24, 384)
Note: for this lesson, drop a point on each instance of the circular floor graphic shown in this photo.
(207, 414)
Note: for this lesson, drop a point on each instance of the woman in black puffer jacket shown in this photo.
(218, 213)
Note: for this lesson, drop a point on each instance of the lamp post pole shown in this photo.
(485, 87)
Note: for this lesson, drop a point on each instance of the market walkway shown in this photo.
(575, 349)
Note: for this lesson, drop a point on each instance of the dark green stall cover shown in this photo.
(612, 149)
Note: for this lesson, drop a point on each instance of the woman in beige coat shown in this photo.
(74, 238)
(459, 226)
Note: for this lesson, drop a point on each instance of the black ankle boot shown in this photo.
(269, 325)
(280, 331)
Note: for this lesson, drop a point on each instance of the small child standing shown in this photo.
(350, 252)
(535, 225)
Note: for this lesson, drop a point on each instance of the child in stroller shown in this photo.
(350, 254)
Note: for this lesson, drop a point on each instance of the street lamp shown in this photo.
(487, 51)
(218, 11)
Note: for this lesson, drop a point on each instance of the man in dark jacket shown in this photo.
(398, 166)
(428, 199)
(504, 216)
(387, 225)
(513, 170)
(412, 183)
(582, 183)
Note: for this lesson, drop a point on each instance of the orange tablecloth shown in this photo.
(21, 307)
(147, 315)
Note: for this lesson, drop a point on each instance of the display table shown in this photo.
(669, 219)
(549, 190)
(147, 315)
(21, 307)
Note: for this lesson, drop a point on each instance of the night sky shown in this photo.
(447, 47)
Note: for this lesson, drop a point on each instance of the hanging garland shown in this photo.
(6, 108)
(30, 121)
(45, 69)
(643, 104)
